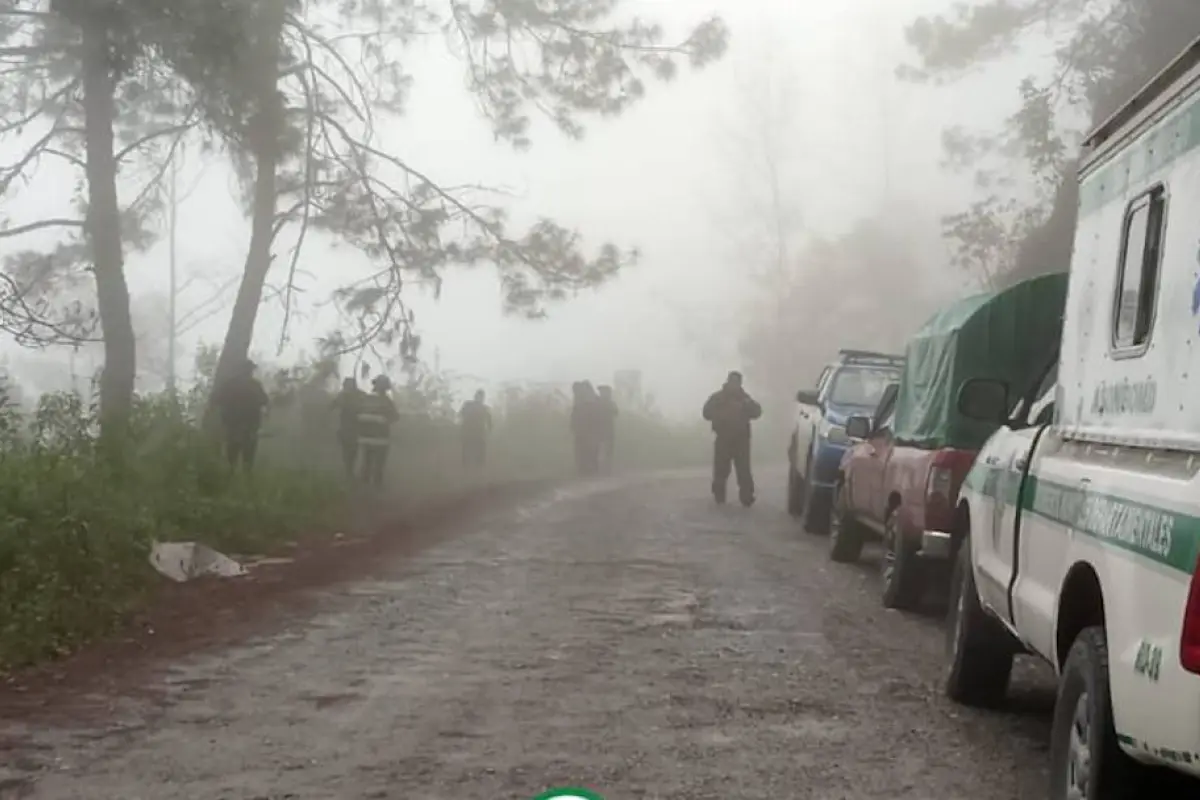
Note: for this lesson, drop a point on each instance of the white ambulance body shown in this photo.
(1080, 521)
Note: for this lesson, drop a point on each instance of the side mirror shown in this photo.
(984, 399)
(858, 427)
(807, 398)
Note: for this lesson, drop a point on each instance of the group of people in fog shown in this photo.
(365, 421)
(594, 427)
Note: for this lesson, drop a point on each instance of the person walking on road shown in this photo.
(346, 404)
(607, 423)
(731, 410)
(241, 402)
(376, 415)
(476, 427)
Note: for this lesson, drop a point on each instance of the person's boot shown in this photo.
(718, 494)
(747, 500)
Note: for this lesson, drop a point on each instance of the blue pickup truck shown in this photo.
(850, 386)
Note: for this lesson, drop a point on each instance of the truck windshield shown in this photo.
(861, 386)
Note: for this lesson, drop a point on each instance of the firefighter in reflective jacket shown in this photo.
(731, 410)
(376, 414)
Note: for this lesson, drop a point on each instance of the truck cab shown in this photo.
(1078, 529)
(899, 482)
(851, 385)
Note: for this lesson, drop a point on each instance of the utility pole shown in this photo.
(173, 321)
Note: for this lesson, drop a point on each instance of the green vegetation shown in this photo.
(1022, 220)
(77, 524)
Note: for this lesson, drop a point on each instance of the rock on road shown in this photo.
(626, 635)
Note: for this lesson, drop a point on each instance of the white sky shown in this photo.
(654, 178)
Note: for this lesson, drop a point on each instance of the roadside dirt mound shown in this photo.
(186, 618)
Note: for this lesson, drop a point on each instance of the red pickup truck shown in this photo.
(899, 479)
(903, 495)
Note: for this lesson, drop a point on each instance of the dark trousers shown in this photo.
(241, 446)
(374, 460)
(474, 452)
(732, 453)
(349, 445)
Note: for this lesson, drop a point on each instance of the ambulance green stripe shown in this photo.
(1164, 536)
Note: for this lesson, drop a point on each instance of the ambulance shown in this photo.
(1076, 537)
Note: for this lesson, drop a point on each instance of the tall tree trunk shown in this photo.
(265, 137)
(104, 232)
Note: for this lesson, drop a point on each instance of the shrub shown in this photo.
(77, 525)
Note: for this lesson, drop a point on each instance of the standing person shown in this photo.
(476, 427)
(584, 428)
(376, 415)
(607, 423)
(346, 404)
(731, 410)
(240, 402)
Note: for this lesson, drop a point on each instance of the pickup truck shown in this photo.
(900, 481)
(1078, 528)
(904, 496)
(850, 385)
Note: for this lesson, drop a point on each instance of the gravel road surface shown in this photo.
(626, 635)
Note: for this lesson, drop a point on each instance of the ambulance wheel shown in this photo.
(1086, 762)
(979, 652)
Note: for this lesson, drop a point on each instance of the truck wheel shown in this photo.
(795, 493)
(816, 513)
(902, 571)
(845, 534)
(1086, 763)
(979, 652)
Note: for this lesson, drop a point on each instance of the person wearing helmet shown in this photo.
(376, 415)
(731, 410)
(241, 401)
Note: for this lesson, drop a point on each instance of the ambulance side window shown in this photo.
(1137, 271)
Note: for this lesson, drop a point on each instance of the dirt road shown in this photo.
(624, 635)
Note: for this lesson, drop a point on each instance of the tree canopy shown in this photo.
(1102, 52)
(294, 94)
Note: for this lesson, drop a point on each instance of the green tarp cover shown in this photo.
(1007, 335)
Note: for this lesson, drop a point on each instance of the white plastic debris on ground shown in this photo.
(184, 561)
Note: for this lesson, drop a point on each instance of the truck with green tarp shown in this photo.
(900, 479)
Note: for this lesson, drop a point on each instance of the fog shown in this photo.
(676, 177)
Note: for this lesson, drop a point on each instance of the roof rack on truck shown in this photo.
(849, 356)
(1166, 89)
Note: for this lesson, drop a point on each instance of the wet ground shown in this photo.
(626, 635)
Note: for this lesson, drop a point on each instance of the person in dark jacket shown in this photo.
(376, 415)
(241, 402)
(476, 427)
(731, 410)
(346, 404)
(584, 427)
(606, 413)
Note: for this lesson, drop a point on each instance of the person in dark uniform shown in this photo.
(476, 427)
(346, 405)
(606, 413)
(584, 427)
(731, 410)
(376, 415)
(241, 402)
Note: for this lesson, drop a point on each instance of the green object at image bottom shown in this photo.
(569, 793)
